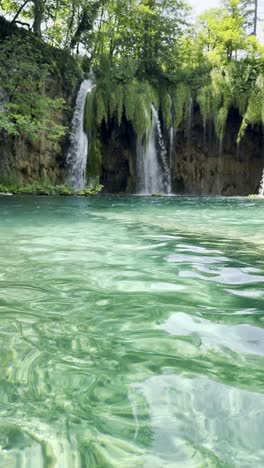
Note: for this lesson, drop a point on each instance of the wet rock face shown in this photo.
(202, 166)
(118, 158)
(199, 164)
(22, 161)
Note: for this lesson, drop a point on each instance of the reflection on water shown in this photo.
(131, 332)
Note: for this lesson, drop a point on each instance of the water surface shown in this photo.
(131, 332)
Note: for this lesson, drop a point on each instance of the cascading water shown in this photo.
(261, 190)
(152, 165)
(149, 177)
(172, 145)
(162, 152)
(78, 151)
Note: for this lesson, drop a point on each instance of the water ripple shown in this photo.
(131, 335)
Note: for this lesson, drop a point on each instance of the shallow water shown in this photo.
(131, 332)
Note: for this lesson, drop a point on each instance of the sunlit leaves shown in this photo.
(29, 111)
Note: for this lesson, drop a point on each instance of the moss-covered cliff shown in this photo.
(200, 165)
(37, 93)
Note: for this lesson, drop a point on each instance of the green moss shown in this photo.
(130, 100)
(166, 109)
(234, 85)
(181, 102)
(142, 118)
(255, 109)
(101, 107)
(220, 122)
(90, 192)
(134, 99)
(231, 85)
(46, 189)
(204, 99)
(89, 112)
(94, 162)
(28, 67)
(116, 103)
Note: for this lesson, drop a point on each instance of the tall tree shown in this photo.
(249, 10)
(222, 31)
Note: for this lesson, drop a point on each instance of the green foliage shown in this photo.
(23, 76)
(89, 112)
(143, 53)
(222, 32)
(94, 161)
(90, 192)
(146, 96)
(255, 109)
(101, 106)
(238, 85)
(39, 188)
(117, 94)
(166, 109)
(220, 122)
(142, 117)
(204, 99)
(181, 101)
(130, 100)
(115, 103)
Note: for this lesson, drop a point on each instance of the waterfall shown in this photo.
(172, 153)
(190, 116)
(152, 165)
(261, 190)
(172, 134)
(162, 152)
(78, 151)
(148, 169)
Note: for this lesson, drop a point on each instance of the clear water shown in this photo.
(131, 332)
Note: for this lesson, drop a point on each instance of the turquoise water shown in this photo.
(131, 332)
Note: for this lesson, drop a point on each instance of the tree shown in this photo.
(249, 10)
(222, 31)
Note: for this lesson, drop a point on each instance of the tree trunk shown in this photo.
(38, 16)
(256, 17)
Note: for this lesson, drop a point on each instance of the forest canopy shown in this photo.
(142, 52)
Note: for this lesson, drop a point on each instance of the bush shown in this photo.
(47, 189)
